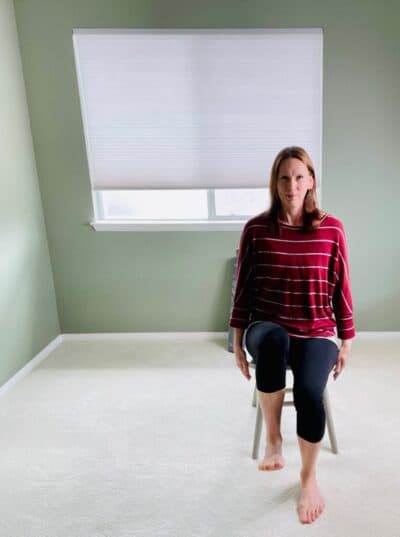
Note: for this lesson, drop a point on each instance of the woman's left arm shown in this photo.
(342, 300)
(343, 305)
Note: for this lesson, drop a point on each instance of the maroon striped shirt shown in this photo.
(298, 279)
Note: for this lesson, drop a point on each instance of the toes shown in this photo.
(305, 519)
(303, 515)
(270, 465)
(312, 515)
(309, 515)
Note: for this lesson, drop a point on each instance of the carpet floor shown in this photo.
(151, 437)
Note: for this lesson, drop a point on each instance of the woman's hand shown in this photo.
(242, 362)
(344, 353)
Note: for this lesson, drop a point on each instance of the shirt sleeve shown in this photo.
(342, 299)
(242, 298)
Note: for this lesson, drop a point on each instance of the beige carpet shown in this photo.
(151, 438)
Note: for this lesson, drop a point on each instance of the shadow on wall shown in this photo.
(222, 302)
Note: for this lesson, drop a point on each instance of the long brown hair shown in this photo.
(311, 213)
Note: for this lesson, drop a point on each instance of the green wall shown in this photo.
(121, 281)
(28, 313)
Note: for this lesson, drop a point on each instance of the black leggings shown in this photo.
(310, 359)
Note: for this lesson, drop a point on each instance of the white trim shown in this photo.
(169, 225)
(31, 365)
(251, 31)
(368, 336)
(200, 336)
(112, 336)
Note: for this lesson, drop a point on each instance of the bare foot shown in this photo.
(311, 503)
(273, 459)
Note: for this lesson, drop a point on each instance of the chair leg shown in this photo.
(257, 432)
(254, 402)
(329, 422)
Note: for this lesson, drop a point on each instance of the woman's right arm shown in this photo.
(238, 338)
(240, 355)
(241, 306)
(242, 299)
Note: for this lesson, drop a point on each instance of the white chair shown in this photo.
(259, 418)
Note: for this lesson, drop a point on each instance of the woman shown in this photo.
(292, 295)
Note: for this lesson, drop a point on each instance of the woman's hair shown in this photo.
(312, 214)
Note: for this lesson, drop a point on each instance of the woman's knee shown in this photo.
(271, 335)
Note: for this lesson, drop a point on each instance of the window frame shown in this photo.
(213, 223)
(217, 224)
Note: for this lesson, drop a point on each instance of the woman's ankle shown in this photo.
(274, 439)
(308, 476)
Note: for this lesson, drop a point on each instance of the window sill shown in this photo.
(170, 225)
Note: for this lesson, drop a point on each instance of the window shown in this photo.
(181, 126)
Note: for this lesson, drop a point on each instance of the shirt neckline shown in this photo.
(299, 227)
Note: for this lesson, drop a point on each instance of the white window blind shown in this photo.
(190, 109)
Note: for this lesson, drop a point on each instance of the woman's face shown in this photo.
(294, 180)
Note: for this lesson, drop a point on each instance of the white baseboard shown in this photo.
(113, 336)
(377, 336)
(144, 335)
(31, 365)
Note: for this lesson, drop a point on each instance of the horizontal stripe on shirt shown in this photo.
(291, 305)
(294, 279)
